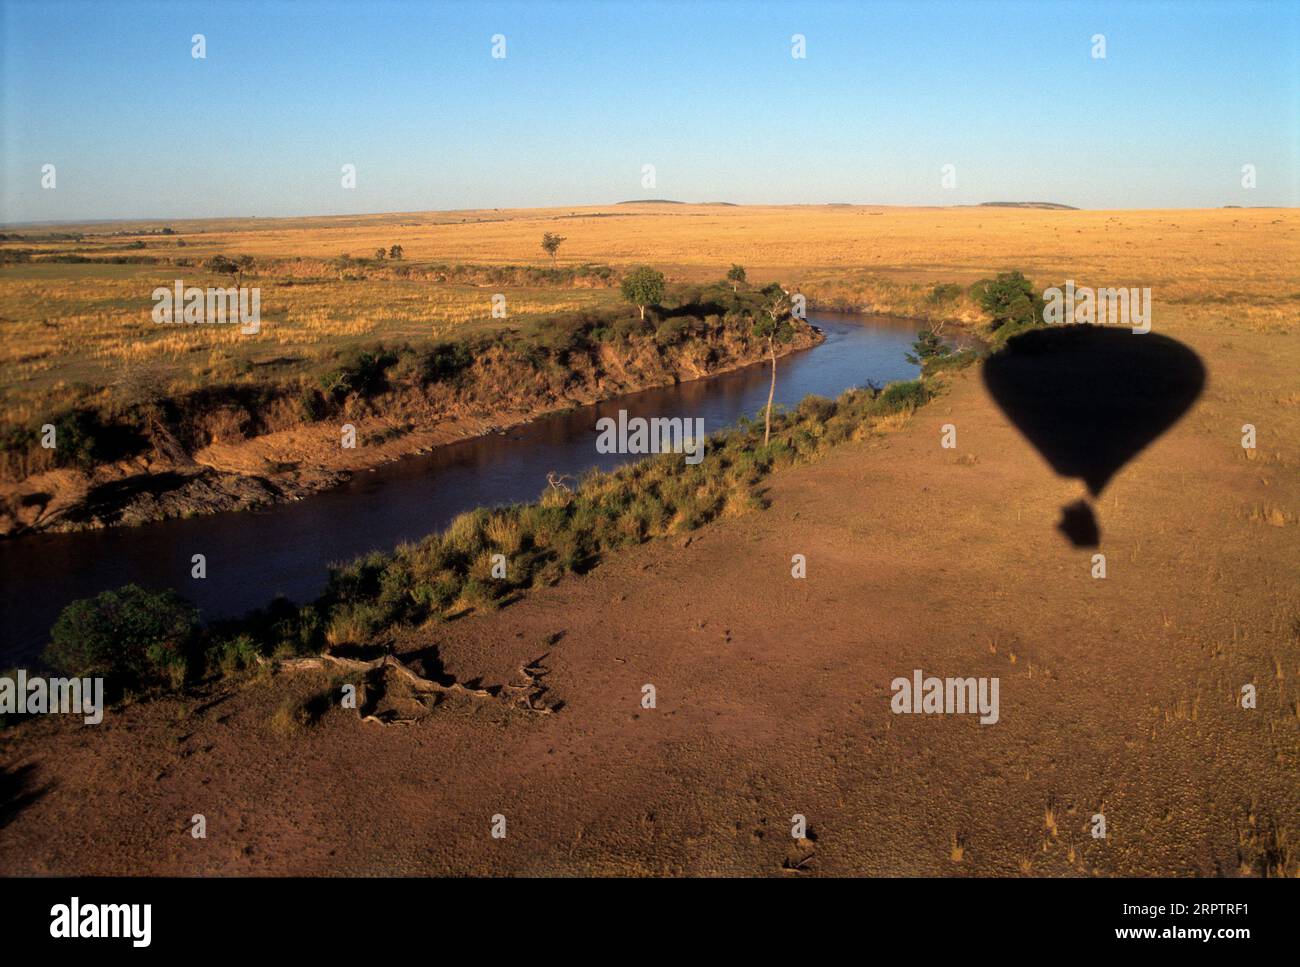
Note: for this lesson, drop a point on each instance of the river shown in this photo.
(285, 549)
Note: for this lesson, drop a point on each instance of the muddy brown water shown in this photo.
(286, 549)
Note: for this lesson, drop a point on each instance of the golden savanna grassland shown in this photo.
(86, 323)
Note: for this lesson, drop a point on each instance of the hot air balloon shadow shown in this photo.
(1090, 399)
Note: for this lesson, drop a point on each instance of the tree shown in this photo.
(736, 276)
(221, 265)
(131, 637)
(245, 264)
(1009, 299)
(379, 254)
(395, 252)
(929, 345)
(551, 243)
(775, 326)
(642, 287)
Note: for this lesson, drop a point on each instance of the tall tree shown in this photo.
(736, 276)
(775, 326)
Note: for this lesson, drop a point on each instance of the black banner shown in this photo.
(143, 917)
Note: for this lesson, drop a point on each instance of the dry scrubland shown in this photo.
(1119, 696)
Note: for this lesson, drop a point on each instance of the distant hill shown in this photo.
(652, 201)
(1054, 206)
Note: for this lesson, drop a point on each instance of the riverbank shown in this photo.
(489, 386)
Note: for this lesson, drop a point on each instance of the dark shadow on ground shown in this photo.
(18, 790)
(1090, 399)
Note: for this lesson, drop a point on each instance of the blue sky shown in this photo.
(707, 92)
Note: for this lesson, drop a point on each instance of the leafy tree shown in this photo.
(642, 287)
(245, 264)
(379, 254)
(775, 325)
(551, 243)
(131, 637)
(1009, 299)
(736, 276)
(395, 253)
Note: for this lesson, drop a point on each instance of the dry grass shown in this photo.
(91, 325)
(79, 323)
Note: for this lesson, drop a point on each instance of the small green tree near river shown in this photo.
(929, 346)
(642, 287)
(133, 638)
(1012, 302)
(774, 325)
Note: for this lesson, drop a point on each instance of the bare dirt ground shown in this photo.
(1118, 696)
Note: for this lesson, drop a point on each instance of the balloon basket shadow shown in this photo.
(1079, 525)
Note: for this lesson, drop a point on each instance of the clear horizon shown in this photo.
(149, 219)
(1009, 94)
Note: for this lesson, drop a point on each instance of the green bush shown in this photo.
(311, 405)
(233, 655)
(1010, 300)
(360, 372)
(672, 331)
(816, 408)
(446, 361)
(132, 638)
(951, 361)
(903, 396)
(83, 438)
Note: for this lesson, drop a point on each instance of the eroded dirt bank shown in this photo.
(1118, 696)
(233, 469)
